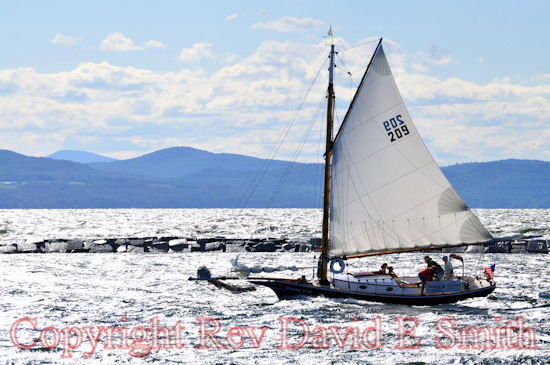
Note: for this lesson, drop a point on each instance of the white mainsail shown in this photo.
(387, 192)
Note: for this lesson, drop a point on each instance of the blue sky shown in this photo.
(124, 78)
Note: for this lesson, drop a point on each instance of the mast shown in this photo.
(323, 260)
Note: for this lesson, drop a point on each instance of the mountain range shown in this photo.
(79, 156)
(184, 177)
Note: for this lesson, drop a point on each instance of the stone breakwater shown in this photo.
(514, 246)
(222, 244)
(163, 245)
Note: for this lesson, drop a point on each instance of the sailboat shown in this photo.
(384, 194)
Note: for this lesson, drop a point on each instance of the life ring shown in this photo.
(341, 263)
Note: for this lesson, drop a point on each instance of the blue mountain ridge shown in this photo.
(184, 177)
(79, 156)
(179, 161)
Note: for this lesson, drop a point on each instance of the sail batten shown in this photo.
(387, 191)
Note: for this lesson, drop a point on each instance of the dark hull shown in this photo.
(290, 290)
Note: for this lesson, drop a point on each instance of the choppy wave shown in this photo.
(38, 224)
(128, 290)
(101, 289)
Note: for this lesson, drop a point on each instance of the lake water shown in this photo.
(75, 294)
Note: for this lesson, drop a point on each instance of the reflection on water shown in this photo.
(39, 224)
(104, 289)
(131, 290)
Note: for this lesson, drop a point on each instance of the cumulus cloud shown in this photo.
(418, 67)
(199, 51)
(154, 44)
(63, 40)
(289, 24)
(118, 42)
(244, 107)
(231, 17)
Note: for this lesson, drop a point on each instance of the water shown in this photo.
(129, 290)
(39, 224)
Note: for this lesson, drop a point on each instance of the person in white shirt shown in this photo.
(447, 269)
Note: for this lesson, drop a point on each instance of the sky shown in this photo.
(125, 78)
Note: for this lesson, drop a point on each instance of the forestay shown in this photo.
(387, 192)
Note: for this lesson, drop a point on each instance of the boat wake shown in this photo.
(245, 270)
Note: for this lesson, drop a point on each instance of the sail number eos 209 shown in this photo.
(396, 128)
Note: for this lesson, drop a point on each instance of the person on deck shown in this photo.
(448, 272)
(425, 275)
(437, 270)
(382, 270)
(391, 273)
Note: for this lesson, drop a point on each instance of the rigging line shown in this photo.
(472, 218)
(475, 270)
(426, 150)
(418, 168)
(317, 192)
(366, 210)
(357, 92)
(289, 167)
(261, 173)
(384, 232)
(360, 45)
(287, 171)
(348, 72)
(337, 117)
(348, 165)
(429, 234)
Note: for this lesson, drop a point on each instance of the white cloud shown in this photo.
(154, 44)
(231, 17)
(445, 60)
(197, 52)
(419, 68)
(63, 40)
(289, 24)
(118, 42)
(244, 107)
(230, 57)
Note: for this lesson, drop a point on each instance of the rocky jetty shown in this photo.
(162, 245)
(513, 246)
(222, 244)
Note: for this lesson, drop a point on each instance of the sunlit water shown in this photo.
(94, 290)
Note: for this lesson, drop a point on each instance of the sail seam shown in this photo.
(353, 237)
(378, 46)
(382, 230)
(423, 237)
(461, 219)
(438, 168)
(371, 116)
(388, 194)
(373, 190)
(386, 147)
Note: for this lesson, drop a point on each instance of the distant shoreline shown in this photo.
(188, 178)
